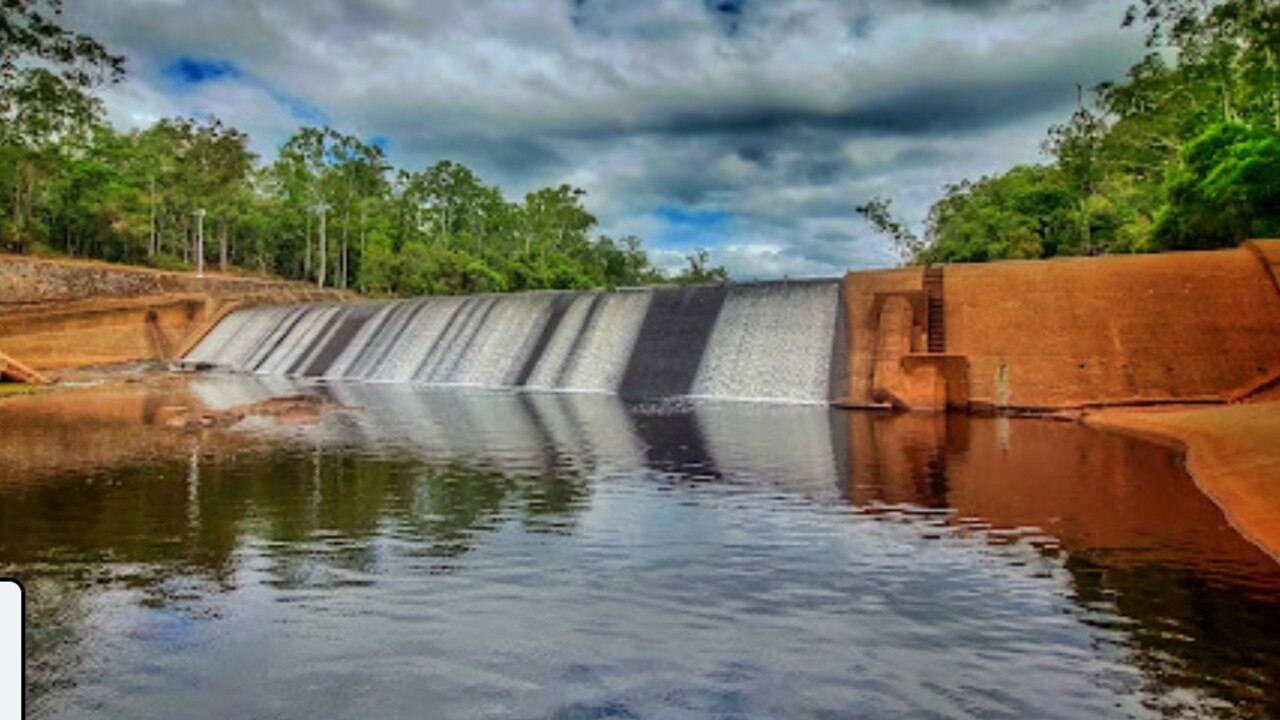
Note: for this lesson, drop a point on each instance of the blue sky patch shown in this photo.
(197, 71)
(690, 228)
(301, 110)
(187, 73)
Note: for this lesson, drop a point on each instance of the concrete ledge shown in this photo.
(14, 370)
(59, 314)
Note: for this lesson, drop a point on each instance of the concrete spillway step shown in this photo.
(768, 341)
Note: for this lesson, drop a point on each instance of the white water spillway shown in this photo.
(779, 341)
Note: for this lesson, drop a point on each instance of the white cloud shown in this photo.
(785, 117)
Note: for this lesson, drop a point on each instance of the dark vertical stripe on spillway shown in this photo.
(262, 356)
(588, 324)
(261, 342)
(381, 324)
(394, 311)
(437, 346)
(559, 304)
(348, 326)
(671, 342)
(470, 329)
(374, 366)
(315, 344)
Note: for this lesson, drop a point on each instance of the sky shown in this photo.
(751, 128)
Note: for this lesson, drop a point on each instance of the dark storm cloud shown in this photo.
(918, 110)
(778, 116)
(517, 161)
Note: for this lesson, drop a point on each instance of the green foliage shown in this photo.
(1183, 153)
(328, 208)
(165, 261)
(1027, 212)
(879, 212)
(700, 271)
(31, 33)
(1227, 190)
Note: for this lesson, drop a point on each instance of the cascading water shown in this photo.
(760, 341)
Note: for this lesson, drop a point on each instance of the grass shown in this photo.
(8, 389)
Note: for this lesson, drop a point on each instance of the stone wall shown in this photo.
(27, 281)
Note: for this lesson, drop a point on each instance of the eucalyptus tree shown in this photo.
(355, 182)
(225, 164)
(46, 72)
(44, 120)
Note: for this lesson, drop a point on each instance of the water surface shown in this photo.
(474, 555)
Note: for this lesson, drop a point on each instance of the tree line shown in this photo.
(328, 208)
(1182, 153)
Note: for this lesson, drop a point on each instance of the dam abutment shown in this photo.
(1068, 332)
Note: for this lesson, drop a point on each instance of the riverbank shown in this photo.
(1232, 452)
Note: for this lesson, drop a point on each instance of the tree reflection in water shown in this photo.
(415, 484)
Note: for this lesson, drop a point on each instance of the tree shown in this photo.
(1030, 211)
(29, 32)
(73, 184)
(879, 212)
(45, 118)
(1178, 154)
(701, 271)
(1227, 190)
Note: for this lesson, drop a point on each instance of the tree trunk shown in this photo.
(1275, 87)
(155, 244)
(324, 252)
(363, 237)
(346, 225)
(306, 242)
(222, 245)
(17, 211)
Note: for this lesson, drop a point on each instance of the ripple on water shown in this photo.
(493, 555)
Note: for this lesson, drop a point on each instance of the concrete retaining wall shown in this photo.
(1070, 332)
(64, 314)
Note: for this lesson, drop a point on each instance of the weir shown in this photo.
(1031, 335)
(776, 341)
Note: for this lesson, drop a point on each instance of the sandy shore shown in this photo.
(1233, 452)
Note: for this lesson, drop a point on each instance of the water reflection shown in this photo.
(513, 555)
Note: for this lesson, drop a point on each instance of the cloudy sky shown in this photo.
(749, 127)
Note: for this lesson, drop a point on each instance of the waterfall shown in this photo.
(777, 341)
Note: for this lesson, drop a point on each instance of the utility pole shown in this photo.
(154, 247)
(321, 209)
(199, 242)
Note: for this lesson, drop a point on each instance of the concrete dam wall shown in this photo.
(781, 341)
(62, 314)
(1068, 332)
(1046, 334)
